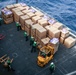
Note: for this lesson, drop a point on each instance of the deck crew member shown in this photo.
(52, 67)
(0, 21)
(31, 40)
(9, 61)
(34, 45)
(18, 26)
(26, 36)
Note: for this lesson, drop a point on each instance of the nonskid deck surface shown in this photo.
(15, 46)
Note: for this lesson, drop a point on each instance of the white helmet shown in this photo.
(52, 63)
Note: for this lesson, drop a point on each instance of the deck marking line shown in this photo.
(68, 58)
(60, 71)
(42, 70)
(64, 69)
(74, 72)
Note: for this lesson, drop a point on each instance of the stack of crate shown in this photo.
(64, 35)
(43, 22)
(53, 32)
(58, 25)
(34, 30)
(40, 34)
(10, 7)
(17, 11)
(22, 21)
(55, 44)
(17, 16)
(44, 41)
(66, 39)
(7, 15)
(40, 26)
(28, 24)
(69, 42)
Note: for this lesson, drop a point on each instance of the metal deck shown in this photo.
(15, 46)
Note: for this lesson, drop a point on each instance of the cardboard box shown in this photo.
(29, 23)
(62, 40)
(41, 33)
(27, 7)
(10, 20)
(17, 16)
(43, 22)
(17, 5)
(38, 39)
(22, 20)
(30, 14)
(10, 7)
(34, 29)
(50, 37)
(38, 28)
(64, 33)
(35, 19)
(25, 11)
(47, 28)
(38, 13)
(46, 17)
(42, 19)
(15, 10)
(69, 42)
(6, 16)
(44, 41)
(55, 44)
(21, 8)
(33, 32)
(54, 32)
(52, 21)
(28, 30)
(58, 25)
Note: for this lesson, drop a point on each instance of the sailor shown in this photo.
(0, 21)
(52, 67)
(26, 36)
(31, 40)
(9, 64)
(43, 54)
(18, 26)
(34, 45)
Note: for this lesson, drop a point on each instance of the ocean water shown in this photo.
(62, 10)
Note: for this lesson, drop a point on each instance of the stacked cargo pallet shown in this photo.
(7, 15)
(66, 39)
(43, 28)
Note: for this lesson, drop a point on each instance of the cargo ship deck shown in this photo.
(15, 46)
